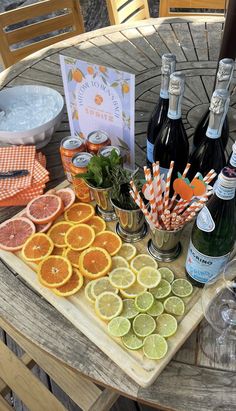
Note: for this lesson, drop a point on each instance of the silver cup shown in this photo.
(104, 207)
(165, 245)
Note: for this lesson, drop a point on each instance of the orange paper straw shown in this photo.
(152, 201)
(167, 190)
(157, 182)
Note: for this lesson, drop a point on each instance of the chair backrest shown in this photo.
(121, 11)
(30, 28)
(166, 7)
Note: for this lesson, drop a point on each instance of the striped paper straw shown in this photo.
(188, 165)
(167, 215)
(173, 219)
(157, 182)
(210, 176)
(167, 190)
(137, 198)
(152, 200)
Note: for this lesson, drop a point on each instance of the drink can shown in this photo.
(79, 164)
(69, 147)
(106, 151)
(96, 140)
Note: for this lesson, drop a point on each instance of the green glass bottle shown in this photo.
(213, 234)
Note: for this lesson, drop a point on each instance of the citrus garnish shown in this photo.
(133, 290)
(122, 277)
(94, 262)
(72, 286)
(144, 301)
(15, 232)
(37, 247)
(181, 288)
(67, 196)
(108, 240)
(174, 305)
(97, 223)
(54, 271)
(129, 310)
(162, 290)
(72, 256)
(155, 347)
(79, 237)
(149, 277)
(44, 208)
(101, 285)
(57, 233)
(144, 325)
(79, 213)
(87, 292)
(142, 260)
(156, 309)
(166, 325)
(119, 326)
(108, 305)
(131, 341)
(127, 251)
(166, 274)
(118, 262)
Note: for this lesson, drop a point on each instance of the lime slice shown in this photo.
(108, 305)
(119, 326)
(131, 341)
(87, 292)
(144, 325)
(129, 310)
(166, 325)
(144, 301)
(174, 305)
(142, 260)
(118, 262)
(156, 309)
(122, 277)
(127, 251)
(182, 288)
(162, 290)
(101, 285)
(148, 277)
(166, 274)
(155, 347)
(133, 290)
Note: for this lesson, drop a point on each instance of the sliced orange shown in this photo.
(97, 223)
(79, 213)
(79, 237)
(37, 247)
(95, 262)
(58, 231)
(108, 240)
(54, 271)
(72, 256)
(58, 251)
(72, 286)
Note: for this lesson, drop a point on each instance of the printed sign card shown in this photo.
(100, 98)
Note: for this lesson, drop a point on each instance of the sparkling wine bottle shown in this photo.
(213, 234)
(172, 142)
(223, 79)
(160, 111)
(210, 153)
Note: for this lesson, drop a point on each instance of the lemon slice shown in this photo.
(119, 326)
(142, 260)
(167, 274)
(131, 341)
(129, 310)
(118, 261)
(155, 347)
(144, 301)
(162, 290)
(87, 292)
(182, 288)
(144, 325)
(174, 305)
(127, 251)
(101, 285)
(133, 290)
(156, 309)
(166, 325)
(108, 305)
(122, 277)
(148, 277)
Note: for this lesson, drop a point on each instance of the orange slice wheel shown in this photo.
(45, 208)
(72, 256)
(15, 232)
(95, 262)
(54, 271)
(67, 195)
(72, 286)
(37, 247)
(79, 213)
(97, 223)
(108, 240)
(79, 237)
(58, 231)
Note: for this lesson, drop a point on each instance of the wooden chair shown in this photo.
(166, 7)
(68, 21)
(121, 11)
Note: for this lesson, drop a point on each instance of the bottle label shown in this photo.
(233, 160)
(225, 193)
(164, 93)
(201, 267)
(150, 148)
(213, 133)
(205, 221)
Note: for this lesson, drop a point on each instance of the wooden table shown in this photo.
(190, 382)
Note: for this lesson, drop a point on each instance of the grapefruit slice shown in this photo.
(67, 196)
(15, 232)
(44, 209)
(40, 228)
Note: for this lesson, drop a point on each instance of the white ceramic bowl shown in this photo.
(37, 113)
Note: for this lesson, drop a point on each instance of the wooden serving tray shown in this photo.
(81, 314)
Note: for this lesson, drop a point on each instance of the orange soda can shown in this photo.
(106, 151)
(69, 147)
(78, 165)
(97, 140)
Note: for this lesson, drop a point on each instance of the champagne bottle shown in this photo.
(172, 142)
(160, 111)
(213, 234)
(210, 153)
(223, 79)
